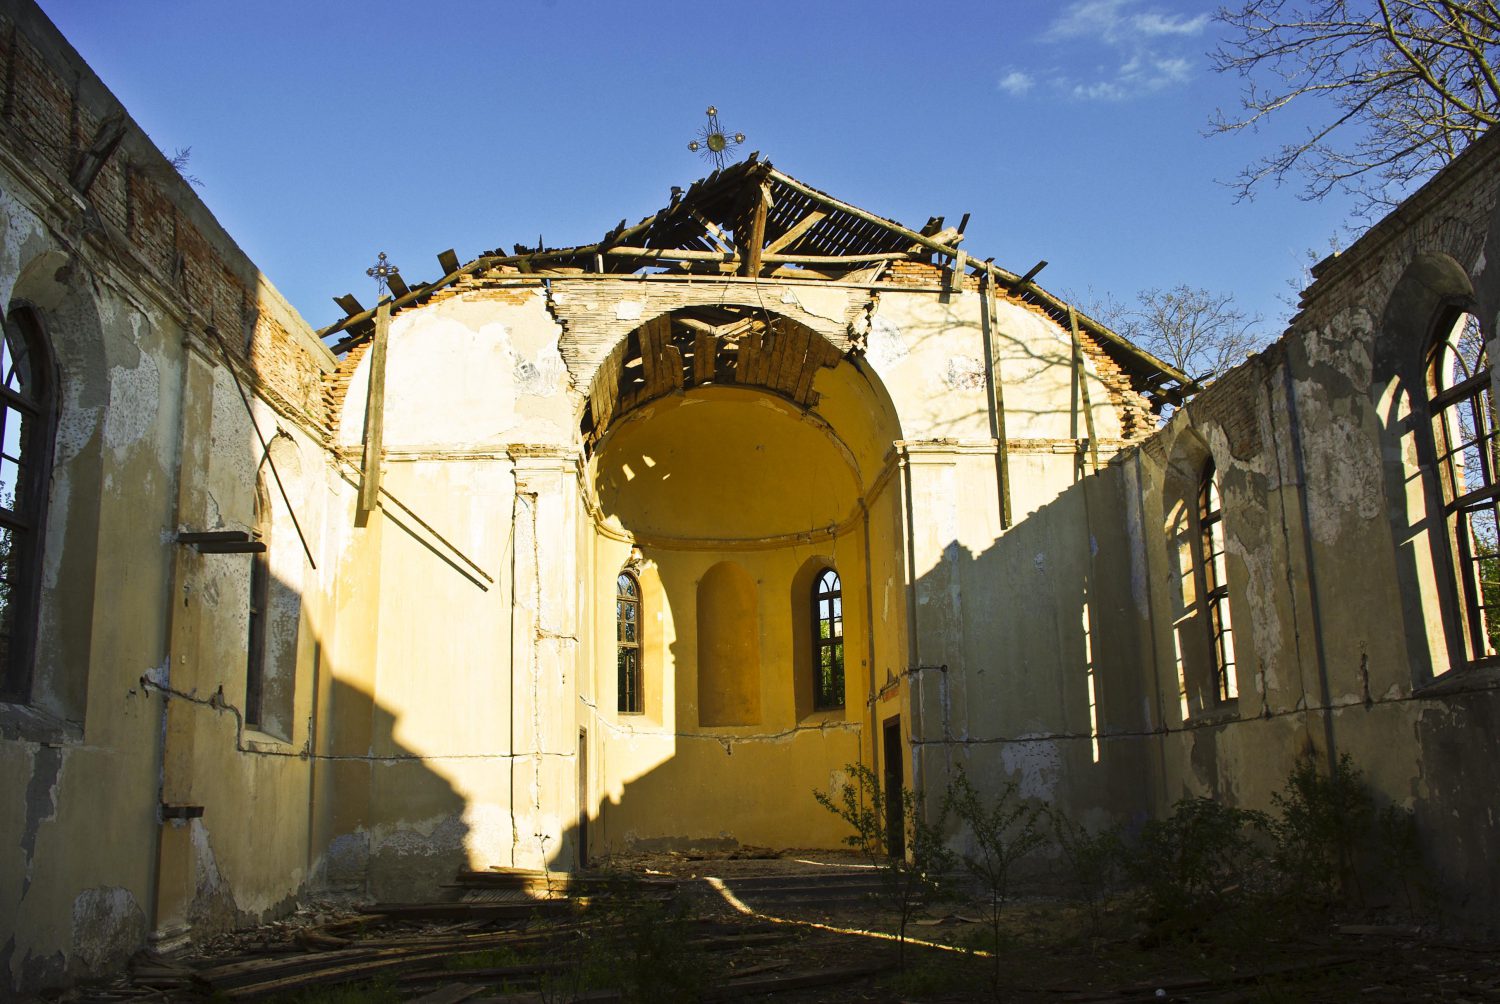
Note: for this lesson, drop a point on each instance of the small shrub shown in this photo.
(646, 949)
(1196, 865)
(908, 879)
(1004, 831)
(1325, 818)
(1092, 863)
(1399, 850)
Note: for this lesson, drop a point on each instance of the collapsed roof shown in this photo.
(751, 220)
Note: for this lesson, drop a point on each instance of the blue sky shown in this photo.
(326, 132)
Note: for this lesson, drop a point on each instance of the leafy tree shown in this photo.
(1398, 88)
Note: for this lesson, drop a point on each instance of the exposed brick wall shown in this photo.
(922, 273)
(1450, 214)
(336, 388)
(51, 109)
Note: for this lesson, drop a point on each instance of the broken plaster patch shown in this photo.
(108, 925)
(964, 373)
(629, 310)
(1346, 485)
(1038, 761)
(1344, 344)
(885, 346)
(41, 800)
(133, 397)
(542, 375)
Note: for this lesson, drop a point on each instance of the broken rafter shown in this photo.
(807, 222)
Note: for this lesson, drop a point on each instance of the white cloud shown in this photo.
(1152, 23)
(1016, 83)
(1151, 50)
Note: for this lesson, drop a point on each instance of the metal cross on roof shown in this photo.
(381, 271)
(715, 143)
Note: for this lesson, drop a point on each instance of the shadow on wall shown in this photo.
(1028, 658)
(393, 823)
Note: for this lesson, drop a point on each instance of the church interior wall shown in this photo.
(1016, 562)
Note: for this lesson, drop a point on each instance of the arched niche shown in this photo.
(728, 647)
(54, 289)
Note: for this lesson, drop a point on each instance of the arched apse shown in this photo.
(728, 490)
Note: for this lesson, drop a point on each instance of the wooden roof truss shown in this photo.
(751, 220)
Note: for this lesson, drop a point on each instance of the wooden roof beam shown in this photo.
(807, 222)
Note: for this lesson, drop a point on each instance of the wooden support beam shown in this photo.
(713, 231)
(348, 304)
(397, 284)
(803, 225)
(449, 261)
(374, 451)
(90, 162)
(990, 318)
(756, 244)
(1081, 391)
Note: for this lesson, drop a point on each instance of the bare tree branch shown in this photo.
(1198, 331)
(1403, 87)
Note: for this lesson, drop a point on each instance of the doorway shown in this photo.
(895, 822)
(583, 798)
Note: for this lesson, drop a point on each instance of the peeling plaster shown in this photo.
(41, 801)
(886, 346)
(629, 310)
(544, 375)
(1040, 764)
(108, 925)
(1350, 487)
(134, 395)
(964, 373)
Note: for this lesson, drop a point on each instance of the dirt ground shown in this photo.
(797, 928)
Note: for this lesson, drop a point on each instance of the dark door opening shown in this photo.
(895, 823)
(583, 798)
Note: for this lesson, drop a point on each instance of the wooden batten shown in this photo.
(374, 444)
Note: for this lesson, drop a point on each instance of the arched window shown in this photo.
(1463, 430)
(1214, 586)
(828, 642)
(26, 426)
(260, 600)
(628, 643)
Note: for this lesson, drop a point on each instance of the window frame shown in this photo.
(27, 520)
(1461, 568)
(828, 687)
(629, 678)
(1213, 587)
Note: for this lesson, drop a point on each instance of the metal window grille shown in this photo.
(828, 642)
(628, 643)
(25, 462)
(1468, 457)
(1215, 594)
